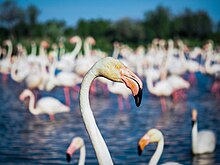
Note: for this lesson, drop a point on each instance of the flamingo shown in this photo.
(152, 136)
(83, 63)
(20, 69)
(67, 61)
(77, 143)
(213, 69)
(5, 63)
(45, 105)
(161, 88)
(32, 56)
(65, 79)
(178, 84)
(114, 70)
(202, 141)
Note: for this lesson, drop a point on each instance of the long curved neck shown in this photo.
(208, 62)
(155, 158)
(15, 76)
(115, 52)
(31, 104)
(33, 49)
(87, 49)
(82, 155)
(183, 58)
(194, 136)
(42, 50)
(51, 81)
(98, 142)
(9, 53)
(164, 66)
(77, 48)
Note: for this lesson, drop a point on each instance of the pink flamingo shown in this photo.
(45, 105)
(76, 144)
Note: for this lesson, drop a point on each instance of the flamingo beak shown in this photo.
(141, 144)
(138, 98)
(21, 98)
(68, 157)
(69, 152)
(133, 83)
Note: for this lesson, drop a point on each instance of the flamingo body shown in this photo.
(45, 105)
(202, 141)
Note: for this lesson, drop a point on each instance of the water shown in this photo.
(28, 139)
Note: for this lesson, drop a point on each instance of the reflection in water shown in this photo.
(28, 139)
(205, 159)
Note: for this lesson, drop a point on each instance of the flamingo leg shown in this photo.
(163, 104)
(192, 78)
(52, 118)
(120, 103)
(128, 106)
(4, 78)
(76, 90)
(182, 94)
(105, 89)
(93, 88)
(215, 89)
(67, 95)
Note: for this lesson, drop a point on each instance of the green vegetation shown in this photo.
(22, 25)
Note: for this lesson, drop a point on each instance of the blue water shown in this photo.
(28, 139)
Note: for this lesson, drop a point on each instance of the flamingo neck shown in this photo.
(33, 49)
(42, 51)
(32, 109)
(62, 51)
(157, 154)
(194, 137)
(183, 59)
(82, 155)
(52, 80)
(77, 48)
(15, 76)
(44, 74)
(208, 63)
(87, 49)
(9, 53)
(115, 52)
(97, 140)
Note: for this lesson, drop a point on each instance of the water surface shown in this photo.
(29, 139)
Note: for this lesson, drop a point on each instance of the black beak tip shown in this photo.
(68, 157)
(139, 150)
(138, 98)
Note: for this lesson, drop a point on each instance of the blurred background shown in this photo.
(107, 21)
(47, 46)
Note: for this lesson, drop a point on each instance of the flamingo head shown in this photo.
(33, 43)
(7, 42)
(91, 40)
(115, 70)
(194, 116)
(116, 44)
(45, 44)
(24, 94)
(74, 39)
(152, 136)
(76, 144)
